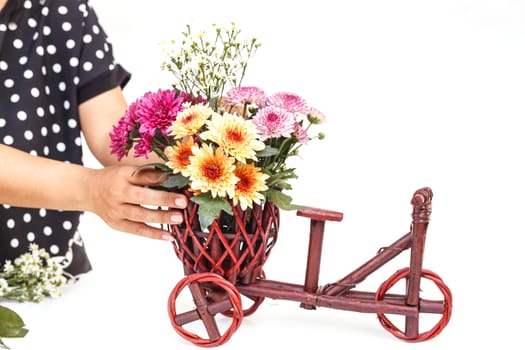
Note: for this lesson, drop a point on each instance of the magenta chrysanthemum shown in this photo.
(274, 122)
(157, 110)
(121, 142)
(243, 95)
(289, 101)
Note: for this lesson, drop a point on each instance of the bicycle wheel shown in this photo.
(445, 309)
(204, 289)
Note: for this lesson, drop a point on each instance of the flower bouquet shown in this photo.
(225, 145)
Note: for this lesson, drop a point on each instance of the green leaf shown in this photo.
(210, 208)
(176, 181)
(268, 151)
(11, 324)
(281, 200)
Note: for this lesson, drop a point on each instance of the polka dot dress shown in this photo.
(54, 55)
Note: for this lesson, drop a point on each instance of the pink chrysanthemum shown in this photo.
(157, 110)
(245, 95)
(315, 116)
(289, 101)
(274, 122)
(121, 142)
(301, 134)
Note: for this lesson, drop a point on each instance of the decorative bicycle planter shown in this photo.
(221, 267)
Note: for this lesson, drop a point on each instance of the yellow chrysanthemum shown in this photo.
(179, 156)
(189, 121)
(237, 136)
(212, 171)
(251, 183)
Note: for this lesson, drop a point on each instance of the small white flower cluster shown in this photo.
(32, 276)
(208, 63)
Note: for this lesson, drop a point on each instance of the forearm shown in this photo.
(37, 182)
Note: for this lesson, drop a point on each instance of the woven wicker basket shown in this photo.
(235, 247)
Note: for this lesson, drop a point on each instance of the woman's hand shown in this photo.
(121, 195)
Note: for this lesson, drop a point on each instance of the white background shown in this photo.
(417, 93)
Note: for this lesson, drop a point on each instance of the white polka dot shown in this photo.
(48, 231)
(62, 10)
(21, 115)
(45, 11)
(14, 243)
(78, 141)
(8, 139)
(42, 212)
(51, 109)
(28, 74)
(10, 223)
(30, 236)
(40, 51)
(22, 60)
(57, 68)
(51, 49)
(62, 86)
(46, 30)
(87, 39)
(3, 65)
(18, 44)
(53, 249)
(9, 83)
(47, 90)
(35, 92)
(72, 123)
(67, 105)
(96, 29)
(31, 22)
(61, 146)
(73, 62)
(76, 80)
(55, 128)
(44, 70)
(35, 36)
(28, 135)
(27, 217)
(99, 54)
(43, 131)
(87, 66)
(40, 111)
(66, 26)
(70, 43)
(2, 122)
(6, 206)
(27, 4)
(67, 225)
(15, 98)
(12, 26)
(46, 151)
(3, 27)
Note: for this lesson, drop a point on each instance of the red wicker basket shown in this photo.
(235, 247)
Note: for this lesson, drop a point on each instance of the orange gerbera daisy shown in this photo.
(179, 156)
(212, 171)
(189, 121)
(236, 135)
(251, 183)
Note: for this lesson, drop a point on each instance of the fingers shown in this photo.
(147, 176)
(143, 230)
(136, 219)
(147, 196)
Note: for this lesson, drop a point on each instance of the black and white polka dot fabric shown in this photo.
(54, 55)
